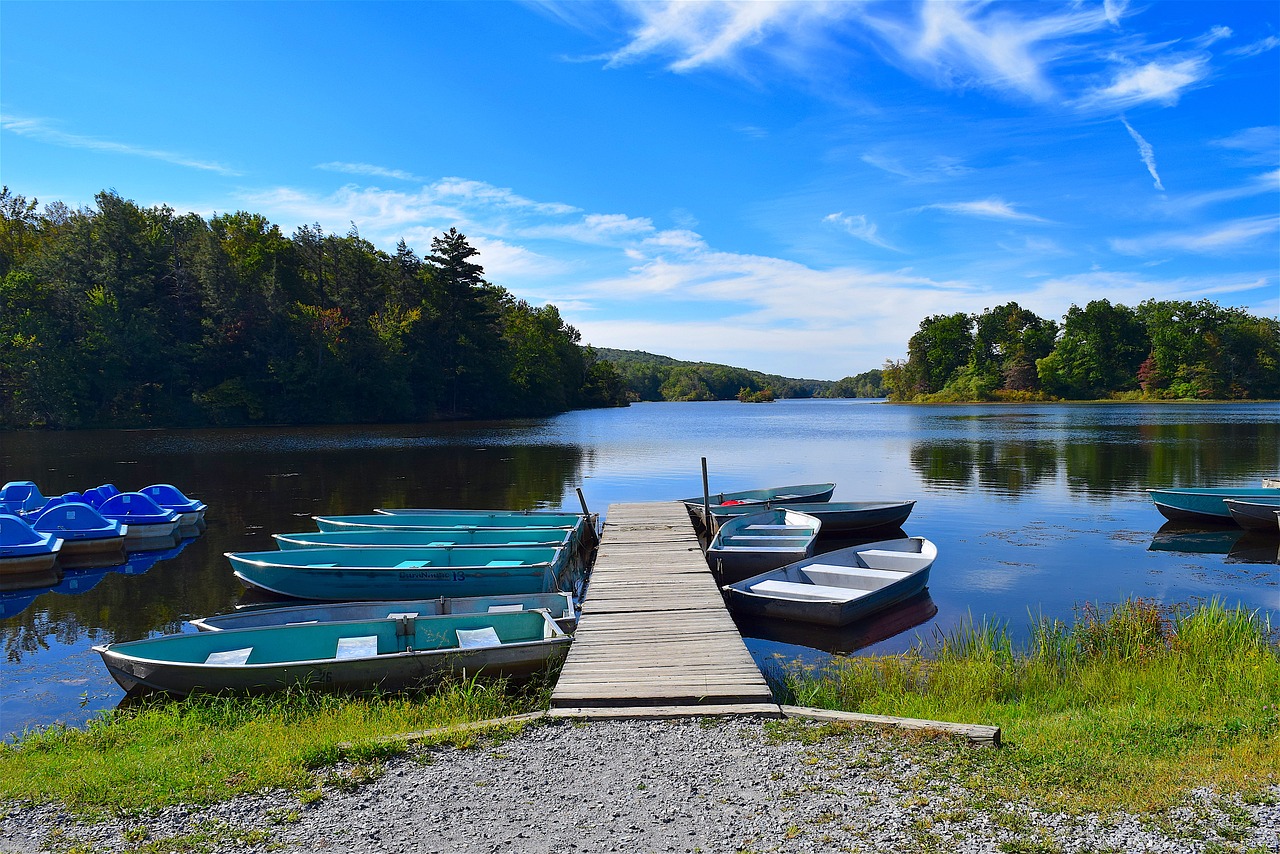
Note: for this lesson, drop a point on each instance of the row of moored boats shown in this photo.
(762, 546)
(391, 600)
(1254, 508)
(90, 528)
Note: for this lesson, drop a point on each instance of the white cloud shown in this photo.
(1258, 185)
(41, 131)
(860, 227)
(1221, 238)
(992, 208)
(1258, 47)
(1215, 34)
(936, 168)
(1145, 151)
(368, 169)
(1162, 82)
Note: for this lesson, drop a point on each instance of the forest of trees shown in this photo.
(1159, 350)
(651, 377)
(121, 316)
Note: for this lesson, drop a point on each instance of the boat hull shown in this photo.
(469, 538)
(757, 542)
(1205, 505)
(1253, 515)
(559, 605)
(837, 517)
(911, 560)
(404, 654)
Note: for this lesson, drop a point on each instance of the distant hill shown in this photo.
(649, 376)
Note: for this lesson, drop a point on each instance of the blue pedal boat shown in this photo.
(476, 537)
(400, 573)
(20, 498)
(84, 531)
(559, 605)
(402, 653)
(1207, 504)
(147, 521)
(24, 550)
(190, 510)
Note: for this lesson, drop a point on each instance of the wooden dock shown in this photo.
(654, 638)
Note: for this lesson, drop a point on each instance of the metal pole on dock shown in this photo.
(706, 498)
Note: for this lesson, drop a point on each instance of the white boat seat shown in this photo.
(888, 559)
(230, 656)
(776, 528)
(505, 563)
(807, 592)
(302, 622)
(854, 572)
(475, 638)
(358, 647)
(412, 564)
(399, 615)
(500, 609)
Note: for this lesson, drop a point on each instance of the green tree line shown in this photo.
(121, 316)
(1162, 349)
(652, 377)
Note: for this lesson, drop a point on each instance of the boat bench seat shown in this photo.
(230, 656)
(775, 528)
(473, 638)
(891, 560)
(412, 564)
(807, 592)
(854, 572)
(357, 647)
(505, 563)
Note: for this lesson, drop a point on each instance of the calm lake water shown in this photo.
(1036, 509)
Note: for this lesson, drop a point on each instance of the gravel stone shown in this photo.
(695, 785)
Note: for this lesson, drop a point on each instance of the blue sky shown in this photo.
(789, 187)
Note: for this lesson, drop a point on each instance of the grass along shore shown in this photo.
(1128, 709)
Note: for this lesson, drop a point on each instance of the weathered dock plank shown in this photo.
(654, 632)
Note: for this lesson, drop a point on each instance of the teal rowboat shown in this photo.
(400, 573)
(445, 520)
(556, 538)
(389, 655)
(559, 605)
(795, 494)
(837, 517)
(1207, 504)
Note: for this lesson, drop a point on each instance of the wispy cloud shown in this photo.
(42, 131)
(1260, 46)
(860, 227)
(937, 168)
(1261, 145)
(1225, 237)
(1215, 34)
(1145, 151)
(1260, 184)
(369, 170)
(1161, 82)
(992, 208)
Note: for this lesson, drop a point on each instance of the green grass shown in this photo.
(1128, 708)
(204, 749)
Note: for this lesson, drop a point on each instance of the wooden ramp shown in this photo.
(654, 633)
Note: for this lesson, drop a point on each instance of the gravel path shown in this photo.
(710, 785)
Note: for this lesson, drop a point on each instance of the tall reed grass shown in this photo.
(1130, 706)
(207, 748)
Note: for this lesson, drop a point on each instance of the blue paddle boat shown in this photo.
(147, 521)
(24, 550)
(84, 531)
(400, 573)
(190, 510)
(402, 653)
(21, 497)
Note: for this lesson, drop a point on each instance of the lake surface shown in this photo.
(1036, 509)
